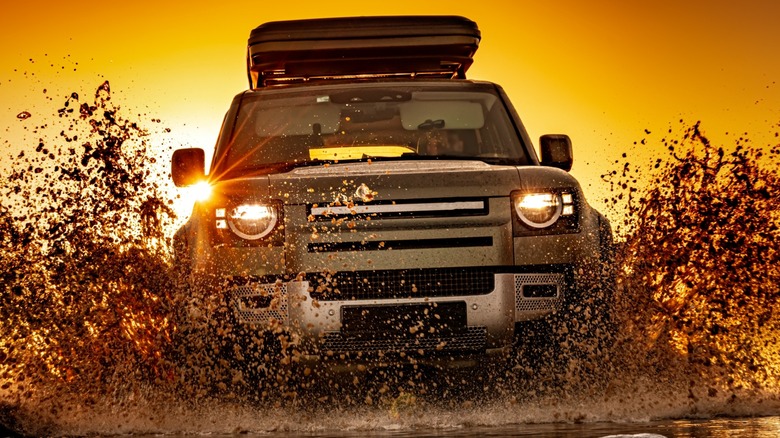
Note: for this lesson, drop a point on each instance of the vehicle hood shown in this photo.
(396, 180)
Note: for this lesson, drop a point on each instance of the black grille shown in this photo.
(388, 245)
(470, 339)
(406, 283)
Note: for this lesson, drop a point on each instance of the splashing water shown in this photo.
(81, 225)
(91, 324)
(699, 267)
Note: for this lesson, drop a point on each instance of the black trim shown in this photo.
(386, 245)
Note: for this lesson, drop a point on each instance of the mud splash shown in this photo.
(700, 267)
(91, 321)
(81, 226)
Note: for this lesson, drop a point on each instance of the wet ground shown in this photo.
(716, 428)
(762, 427)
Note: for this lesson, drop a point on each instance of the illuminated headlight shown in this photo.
(541, 210)
(248, 221)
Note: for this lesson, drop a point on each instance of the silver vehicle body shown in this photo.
(396, 254)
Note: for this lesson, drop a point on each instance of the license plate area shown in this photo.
(404, 320)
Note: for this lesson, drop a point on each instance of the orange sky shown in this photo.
(600, 71)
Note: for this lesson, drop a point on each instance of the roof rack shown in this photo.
(359, 47)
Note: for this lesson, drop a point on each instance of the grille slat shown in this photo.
(408, 283)
(399, 209)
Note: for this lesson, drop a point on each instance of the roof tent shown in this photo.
(327, 48)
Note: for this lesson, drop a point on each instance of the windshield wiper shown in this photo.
(488, 160)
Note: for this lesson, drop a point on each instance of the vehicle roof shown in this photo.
(385, 46)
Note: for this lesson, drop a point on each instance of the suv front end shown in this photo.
(383, 218)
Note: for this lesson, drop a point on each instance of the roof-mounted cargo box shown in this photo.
(301, 50)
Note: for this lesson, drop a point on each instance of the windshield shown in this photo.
(371, 121)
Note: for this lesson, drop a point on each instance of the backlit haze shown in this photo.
(96, 321)
(603, 72)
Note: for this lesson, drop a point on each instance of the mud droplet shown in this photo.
(103, 88)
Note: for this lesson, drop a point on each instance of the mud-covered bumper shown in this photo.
(480, 324)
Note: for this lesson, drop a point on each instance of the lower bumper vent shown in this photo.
(260, 303)
(539, 292)
(471, 339)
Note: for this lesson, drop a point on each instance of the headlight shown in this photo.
(248, 221)
(543, 209)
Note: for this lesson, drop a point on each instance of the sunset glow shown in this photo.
(609, 75)
(387, 256)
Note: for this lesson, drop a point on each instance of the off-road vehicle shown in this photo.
(373, 204)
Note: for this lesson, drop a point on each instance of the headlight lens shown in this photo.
(545, 211)
(538, 210)
(248, 221)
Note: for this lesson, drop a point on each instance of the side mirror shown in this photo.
(188, 166)
(556, 151)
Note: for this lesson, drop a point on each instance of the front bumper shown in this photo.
(434, 324)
